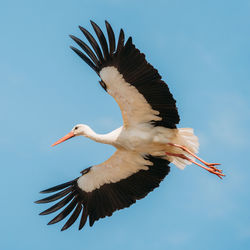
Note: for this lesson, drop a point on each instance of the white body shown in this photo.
(147, 139)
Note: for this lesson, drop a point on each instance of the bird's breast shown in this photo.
(136, 140)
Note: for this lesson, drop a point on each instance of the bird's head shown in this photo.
(79, 129)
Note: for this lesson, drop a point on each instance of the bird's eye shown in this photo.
(76, 127)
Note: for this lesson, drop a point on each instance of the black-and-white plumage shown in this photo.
(110, 197)
(135, 70)
(146, 143)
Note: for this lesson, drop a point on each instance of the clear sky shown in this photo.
(202, 50)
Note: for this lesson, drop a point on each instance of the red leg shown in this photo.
(211, 165)
(209, 169)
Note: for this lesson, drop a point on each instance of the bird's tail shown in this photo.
(188, 139)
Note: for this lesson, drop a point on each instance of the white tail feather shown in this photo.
(188, 139)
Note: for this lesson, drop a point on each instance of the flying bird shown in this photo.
(145, 145)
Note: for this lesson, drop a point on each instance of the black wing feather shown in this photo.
(102, 40)
(65, 212)
(58, 187)
(85, 58)
(87, 49)
(56, 196)
(93, 43)
(73, 217)
(58, 205)
(111, 37)
(120, 42)
(84, 217)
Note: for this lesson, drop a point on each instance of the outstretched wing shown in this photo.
(126, 75)
(107, 187)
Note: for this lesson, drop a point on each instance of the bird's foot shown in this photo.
(212, 165)
(212, 169)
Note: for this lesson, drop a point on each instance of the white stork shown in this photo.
(145, 145)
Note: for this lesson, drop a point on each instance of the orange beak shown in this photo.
(66, 137)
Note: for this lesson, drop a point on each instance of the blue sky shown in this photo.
(201, 48)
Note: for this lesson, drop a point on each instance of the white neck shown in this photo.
(109, 138)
